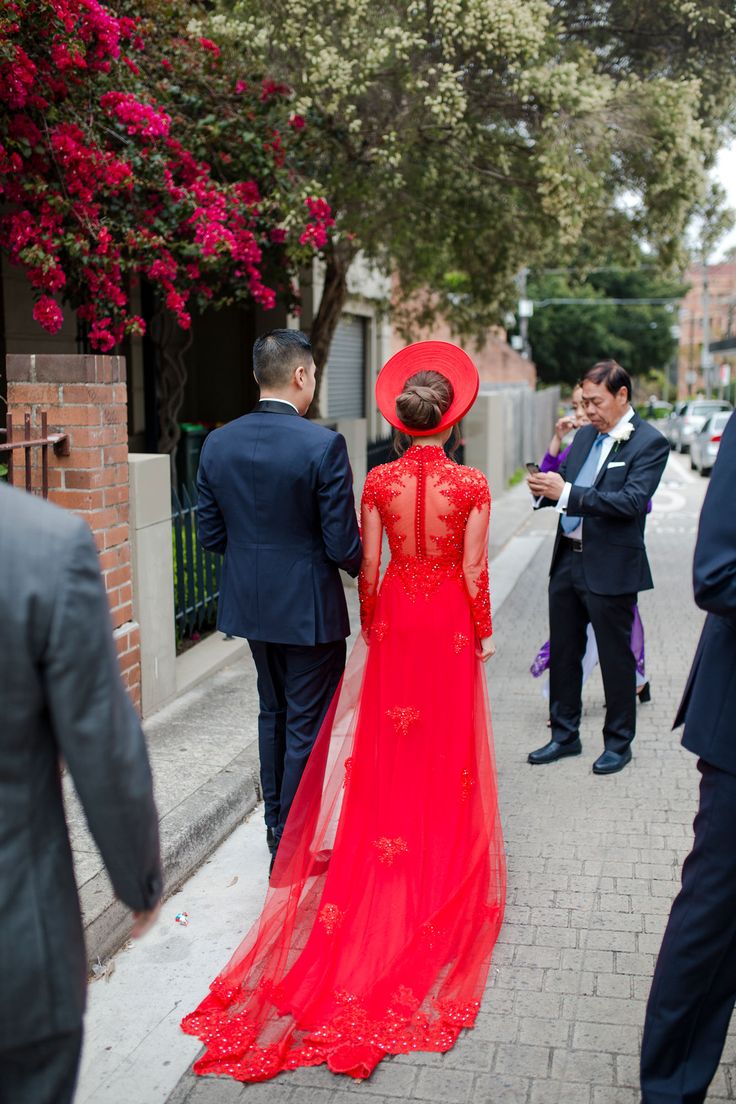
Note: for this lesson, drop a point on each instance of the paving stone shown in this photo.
(613, 940)
(615, 985)
(582, 1065)
(522, 1058)
(446, 1085)
(499, 1088)
(569, 981)
(614, 1095)
(559, 1092)
(547, 1005)
(634, 963)
(614, 1038)
(537, 956)
(542, 1032)
(224, 1091)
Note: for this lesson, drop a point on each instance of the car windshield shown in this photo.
(718, 421)
(708, 407)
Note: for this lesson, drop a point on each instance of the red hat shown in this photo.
(428, 356)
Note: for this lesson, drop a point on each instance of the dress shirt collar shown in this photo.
(270, 398)
(622, 421)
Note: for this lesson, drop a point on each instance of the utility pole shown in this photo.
(525, 310)
(704, 350)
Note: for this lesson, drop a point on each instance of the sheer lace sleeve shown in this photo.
(475, 560)
(372, 535)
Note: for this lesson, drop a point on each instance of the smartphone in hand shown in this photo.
(531, 467)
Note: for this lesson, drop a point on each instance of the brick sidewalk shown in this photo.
(593, 865)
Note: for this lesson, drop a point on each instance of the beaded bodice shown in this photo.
(435, 513)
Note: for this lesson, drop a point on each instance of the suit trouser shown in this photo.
(296, 684)
(571, 607)
(694, 985)
(43, 1072)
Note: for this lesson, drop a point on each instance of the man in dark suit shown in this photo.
(694, 986)
(61, 697)
(599, 563)
(276, 497)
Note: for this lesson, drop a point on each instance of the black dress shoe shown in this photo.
(644, 693)
(553, 750)
(270, 840)
(611, 761)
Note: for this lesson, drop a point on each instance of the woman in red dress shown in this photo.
(388, 890)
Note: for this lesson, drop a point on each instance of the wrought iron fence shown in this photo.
(196, 571)
(9, 468)
(380, 451)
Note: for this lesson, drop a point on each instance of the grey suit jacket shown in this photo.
(60, 696)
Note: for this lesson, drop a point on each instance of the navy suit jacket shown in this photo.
(276, 497)
(708, 707)
(614, 509)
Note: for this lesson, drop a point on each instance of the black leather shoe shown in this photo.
(553, 750)
(611, 761)
(270, 840)
(273, 860)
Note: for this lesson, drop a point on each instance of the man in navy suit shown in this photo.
(276, 497)
(599, 563)
(694, 986)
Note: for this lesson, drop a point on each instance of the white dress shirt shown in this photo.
(608, 443)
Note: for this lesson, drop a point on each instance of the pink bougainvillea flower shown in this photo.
(48, 314)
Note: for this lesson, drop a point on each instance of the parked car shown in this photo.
(668, 425)
(691, 420)
(705, 444)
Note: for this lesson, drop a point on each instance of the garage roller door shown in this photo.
(346, 369)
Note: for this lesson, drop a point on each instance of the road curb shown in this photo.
(189, 835)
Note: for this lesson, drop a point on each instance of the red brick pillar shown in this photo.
(86, 397)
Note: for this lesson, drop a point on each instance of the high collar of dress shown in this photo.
(426, 454)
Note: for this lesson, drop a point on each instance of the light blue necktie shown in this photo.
(585, 478)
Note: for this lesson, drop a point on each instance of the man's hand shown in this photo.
(546, 485)
(144, 921)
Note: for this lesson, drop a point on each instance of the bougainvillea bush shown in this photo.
(132, 149)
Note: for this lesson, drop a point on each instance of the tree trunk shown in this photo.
(171, 343)
(334, 297)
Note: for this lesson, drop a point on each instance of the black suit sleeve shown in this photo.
(211, 529)
(97, 730)
(642, 479)
(337, 507)
(714, 567)
(543, 502)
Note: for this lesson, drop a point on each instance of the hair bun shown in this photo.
(424, 399)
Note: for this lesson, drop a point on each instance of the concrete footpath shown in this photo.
(593, 864)
(204, 754)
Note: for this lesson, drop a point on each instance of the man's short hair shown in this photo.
(610, 373)
(277, 354)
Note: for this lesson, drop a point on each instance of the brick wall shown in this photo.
(86, 397)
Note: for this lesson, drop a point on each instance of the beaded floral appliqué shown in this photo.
(389, 849)
(331, 917)
(460, 641)
(348, 767)
(402, 716)
(466, 785)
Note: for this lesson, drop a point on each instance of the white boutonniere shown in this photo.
(620, 434)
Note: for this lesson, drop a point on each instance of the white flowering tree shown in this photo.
(458, 140)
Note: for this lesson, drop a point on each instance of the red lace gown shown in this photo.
(389, 885)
